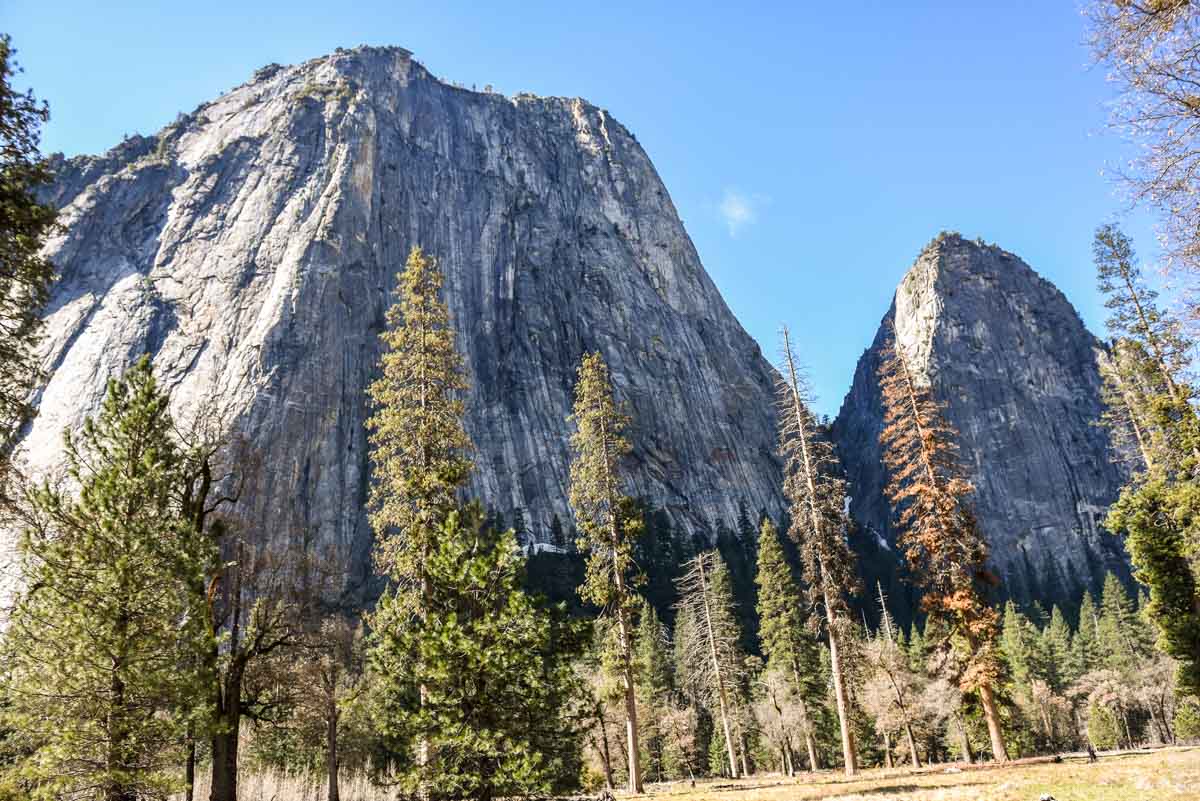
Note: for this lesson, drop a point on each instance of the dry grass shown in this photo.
(278, 787)
(1164, 775)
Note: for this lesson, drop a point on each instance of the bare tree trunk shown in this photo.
(818, 524)
(992, 716)
(742, 749)
(912, 745)
(810, 743)
(887, 751)
(968, 754)
(839, 692)
(716, 663)
(605, 758)
(631, 728)
(331, 750)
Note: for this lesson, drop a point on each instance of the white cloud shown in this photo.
(739, 209)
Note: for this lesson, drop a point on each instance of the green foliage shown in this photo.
(1103, 728)
(484, 678)
(1159, 520)
(418, 444)
(1187, 719)
(783, 631)
(25, 275)
(1159, 509)
(98, 649)
(608, 521)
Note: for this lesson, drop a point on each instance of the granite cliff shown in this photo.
(1017, 371)
(251, 248)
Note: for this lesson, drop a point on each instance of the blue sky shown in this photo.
(811, 149)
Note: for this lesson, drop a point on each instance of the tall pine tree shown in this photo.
(1159, 509)
(608, 523)
(817, 497)
(25, 275)
(95, 645)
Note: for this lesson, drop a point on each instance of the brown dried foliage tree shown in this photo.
(939, 535)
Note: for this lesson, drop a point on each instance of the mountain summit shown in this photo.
(1018, 374)
(251, 248)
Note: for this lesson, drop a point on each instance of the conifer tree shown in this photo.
(817, 497)
(25, 275)
(419, 448)
(786, 644)
(1085, 646)
(711, 648)
(96, 641)
(469, 671)
(652, 667)
(418, 444)
(1056, 641)
(939, 535)
(486, 679)
(1159, 509)
(608, 523)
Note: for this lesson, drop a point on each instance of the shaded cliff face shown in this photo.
(1017, 371)
(251, 248)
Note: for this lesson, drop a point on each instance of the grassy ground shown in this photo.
(1151, 776)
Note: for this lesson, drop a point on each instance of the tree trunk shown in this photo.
(742, 751)
(631, 725)
(605, 755)
(225, 740)
(843, 706)
(631, 729)
(839, 691)
(887, 751)
(331, 751)
(912, 745)
(992, 716)
(716, 663)
(809, 741)
(810, 744)
(189, 766)
(965, 740)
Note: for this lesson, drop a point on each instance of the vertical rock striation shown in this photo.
(251, 248)
(1017, 371)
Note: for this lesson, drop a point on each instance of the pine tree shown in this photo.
(1085, 645)
(493, 674)
(652, 668)
(711, 647)
(418, 444)
(1159, 509)
(939, 535)
(785, 642)
(95, 644)
(817, 497)
(608, 522)
(25, 275)
(1056, 641)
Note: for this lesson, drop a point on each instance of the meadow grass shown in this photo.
(1169, 774)
(1137, 776)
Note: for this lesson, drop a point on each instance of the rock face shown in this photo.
(251, 248)
(1017, 371)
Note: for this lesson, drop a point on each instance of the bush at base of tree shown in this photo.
(1103, 728)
